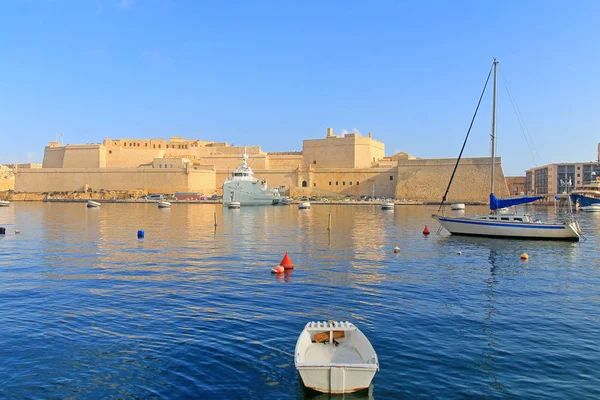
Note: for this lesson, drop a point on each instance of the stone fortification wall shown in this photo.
(118, 157)
(330, 152)
(152, 180)
(53, 157)
(380, 182)
(285, 161)
(427, 179)
(75, 156)
(349, 151)
(7, 184)
(367, 151)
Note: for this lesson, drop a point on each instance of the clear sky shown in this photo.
(273, 73)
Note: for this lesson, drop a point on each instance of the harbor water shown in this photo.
(89, 311)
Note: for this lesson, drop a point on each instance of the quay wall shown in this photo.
(427, 179)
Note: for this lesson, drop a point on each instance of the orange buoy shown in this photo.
(426, 231)
(286, 262)
(524, 257)
(278, 270)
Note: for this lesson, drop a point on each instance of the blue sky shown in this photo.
(273, 73)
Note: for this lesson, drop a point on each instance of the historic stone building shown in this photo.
(336, 165)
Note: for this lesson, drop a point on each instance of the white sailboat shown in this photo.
(506, 225)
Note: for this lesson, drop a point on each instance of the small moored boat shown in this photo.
(93, 204)
(387, 206)
(164, 204)
(457, 206)
(234, 205)
(335, 357)
(4, 203)
(305, 205)
(591, 208)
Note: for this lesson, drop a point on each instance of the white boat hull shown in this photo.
(387, 206)
(4, 203)
(337, 380)
(457, 206)
(525, 230)
(93, 204)
(247, 193)
(304, 206)
(590, 208)
(164, 204)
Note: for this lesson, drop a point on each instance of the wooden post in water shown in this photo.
(329, 223)
(215, 219)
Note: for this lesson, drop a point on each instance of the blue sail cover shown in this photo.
(496, 203)
(584, 201)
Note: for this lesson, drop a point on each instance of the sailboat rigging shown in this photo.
(504, 225)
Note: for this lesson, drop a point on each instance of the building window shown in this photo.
(153, 146)
(357, 183)
(578, 175)
(159, 165)
(159, 146)
(344, 183)
(350, 183)
(329, 183)
(110, 152)
(124, 144)
(314, 185)
(314, 161)
(336, 183)
(391, 178)
(304, 184)
(146, 144)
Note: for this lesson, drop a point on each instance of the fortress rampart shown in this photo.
(351, 164)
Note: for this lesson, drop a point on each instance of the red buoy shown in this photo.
(278, 270)
(286, 262)
(426, 231)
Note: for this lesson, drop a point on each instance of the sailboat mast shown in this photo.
(494, 123)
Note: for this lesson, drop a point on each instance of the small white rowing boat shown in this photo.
(234, 205)
(4, 203)
(387, 206)
(335, 357)
(305, 205)
(164, 204)
(93, 204)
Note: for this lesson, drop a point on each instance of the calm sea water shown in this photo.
(89, 311)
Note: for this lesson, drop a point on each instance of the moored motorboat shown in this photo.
(164, 204)
(387, 206)
(457, 206)
(305, 205)
(590, 208)
(234, 205)
(93, 204)
(4, 203)
(244, 188)
(335, 357)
